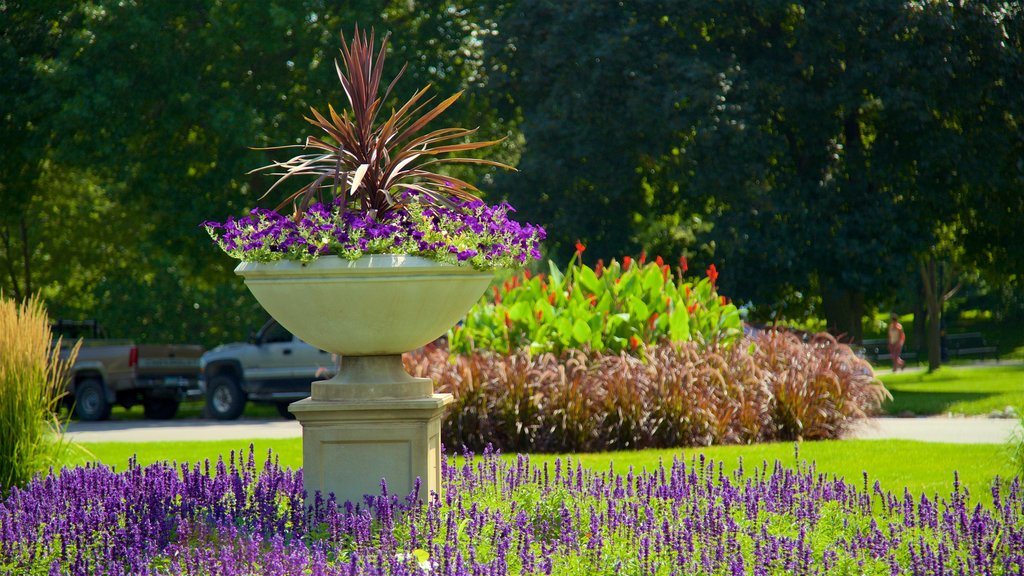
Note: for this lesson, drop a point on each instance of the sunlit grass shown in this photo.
(960, 390)
(921, 467)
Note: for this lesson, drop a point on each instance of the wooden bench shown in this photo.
(970, 344)
(877, 350)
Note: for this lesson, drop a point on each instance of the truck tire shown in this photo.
(224, 398)
(160, 408)
(91, 401)
(282, 409)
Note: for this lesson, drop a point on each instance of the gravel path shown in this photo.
(958, 430)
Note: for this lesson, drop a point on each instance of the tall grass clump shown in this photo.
(768, 387)
(32, 380)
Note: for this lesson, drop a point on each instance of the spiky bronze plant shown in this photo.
(368, 163)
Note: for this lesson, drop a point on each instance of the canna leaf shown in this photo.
(520, 311)
(679, 325)
(588, 279)
(555, 273)
(581, 331)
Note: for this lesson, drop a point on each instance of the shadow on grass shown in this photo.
(929, 403)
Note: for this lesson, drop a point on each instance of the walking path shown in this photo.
(957, 430)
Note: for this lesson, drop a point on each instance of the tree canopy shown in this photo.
(817, 152)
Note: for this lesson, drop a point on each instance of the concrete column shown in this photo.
(372, 421)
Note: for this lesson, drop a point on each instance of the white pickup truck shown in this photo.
(274, 367)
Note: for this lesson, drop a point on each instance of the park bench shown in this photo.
(877, 350)
(970, 344)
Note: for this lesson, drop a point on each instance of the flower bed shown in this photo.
(499, 517)
(767, 387)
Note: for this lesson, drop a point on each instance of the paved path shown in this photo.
(959, 430)
(181, 430)
(956, 430)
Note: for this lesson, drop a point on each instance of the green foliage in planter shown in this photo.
(617, 308)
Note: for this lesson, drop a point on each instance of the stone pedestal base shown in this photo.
(349, 445)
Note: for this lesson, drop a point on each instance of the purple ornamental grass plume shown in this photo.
(502, 516)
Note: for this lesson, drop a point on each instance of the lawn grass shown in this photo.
(960, 390)
(921, 467)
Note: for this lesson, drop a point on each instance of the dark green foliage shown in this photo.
(831, 145)
(818, 149)
(771, 387)
(126, 124)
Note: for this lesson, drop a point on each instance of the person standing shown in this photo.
(896, 339)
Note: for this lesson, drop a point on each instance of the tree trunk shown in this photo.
(929, 278)
(844, 313)
(920, 334)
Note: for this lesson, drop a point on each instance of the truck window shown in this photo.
(275, 333)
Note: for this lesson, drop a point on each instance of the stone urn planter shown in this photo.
(373, 420)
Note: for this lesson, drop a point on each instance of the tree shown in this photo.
(140, 115)
(832, 145)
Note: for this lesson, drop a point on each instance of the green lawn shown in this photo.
(919, 466)
(961, 390)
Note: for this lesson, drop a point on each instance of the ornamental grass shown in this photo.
(32, 380)
(501, 517)
(768, 387)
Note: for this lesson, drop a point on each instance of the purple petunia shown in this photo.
(469, 232)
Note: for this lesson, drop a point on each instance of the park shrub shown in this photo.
(503, 516)
(32, 379)
(616, 308)
(766, 387)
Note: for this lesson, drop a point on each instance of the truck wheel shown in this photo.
(282, 409)
(224, 398)
(91, 401)
(160, 408)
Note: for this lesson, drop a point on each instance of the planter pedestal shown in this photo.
(373, 420)
(349, 446)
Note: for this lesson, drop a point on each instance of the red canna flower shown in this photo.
(497, 295)
(540, 315)
(634, 342)
(526, 274)
(712, 274)
(643, 257)
(652, 320)
(687, 289)
(580, 247)
(665, 271)
(592, 299)
(668, 303)
(683, 264)
(551, 298)
(600, 267)
(659, 261)
(722, 300)
(626, 261)
(691, 308)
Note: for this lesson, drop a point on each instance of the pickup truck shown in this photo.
(274, 367)
(108, 372)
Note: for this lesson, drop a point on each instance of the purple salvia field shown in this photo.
(503, 516)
